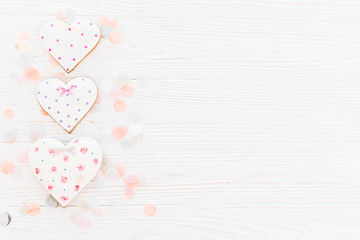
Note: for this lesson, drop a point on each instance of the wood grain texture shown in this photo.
(250, 111)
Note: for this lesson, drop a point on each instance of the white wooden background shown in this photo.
(250, 116)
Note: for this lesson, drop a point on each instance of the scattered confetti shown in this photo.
(60, 16)
(121, 80)
(52, 61)
(126, 144)
(24, 156)
(5, 219)
(83, 206)
(119, 132)
(33, 209)
(98, 100)
(138, 138)
(79, 220)
(60, 75)
(7, 167)
(111, 22)
(42, 111)
(135, 130)
(119, 105)
(149, 210)
(116, 92)
(21, 36)
(67, 15)
(21, 79)
(51, 202)
(10, 135)
(105, 32)
(120, 169)
(84, 222)
(111, 174)
(131, 181)
(127, 90)
(103, 20)
(129, 192)
(96, 211)
(9, 113)
(75, 217)
(115, 37)
(25, 47)
(31, 74)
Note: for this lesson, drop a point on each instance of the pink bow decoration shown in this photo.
(64, 90)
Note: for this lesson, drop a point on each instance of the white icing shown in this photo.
(65, 170)
(67, 103)
(69, 44)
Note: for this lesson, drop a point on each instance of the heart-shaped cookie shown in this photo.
(67, 103)
(65, 170)
(70, 44)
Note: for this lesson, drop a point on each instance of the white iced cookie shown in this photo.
(65, 170)
(70, 44)
(67, 103)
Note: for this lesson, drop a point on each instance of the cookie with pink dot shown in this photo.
(69, 44)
